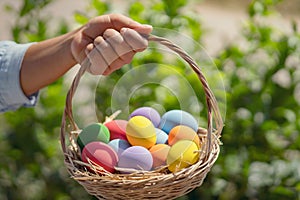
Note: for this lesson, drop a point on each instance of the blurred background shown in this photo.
(250, 51)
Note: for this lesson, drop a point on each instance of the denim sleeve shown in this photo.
(11, 94)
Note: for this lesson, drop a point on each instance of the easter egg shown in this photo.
(177, 117)
(117, 129)
(100, 154)
(93, 132)
(140, 132)
(161, 136)
(136, 157)
(182, 154)
(182, 132)
(119, 145)
(159, 154)
(149, 113)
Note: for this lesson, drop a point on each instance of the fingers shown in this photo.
(113, 50)
(107, 52)
(97, 62)
(119, 45)
(134, 39)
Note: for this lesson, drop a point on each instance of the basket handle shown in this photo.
(211, 102)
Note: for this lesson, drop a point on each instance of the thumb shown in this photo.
(121, 21)
(143, 28)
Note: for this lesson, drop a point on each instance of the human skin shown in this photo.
(106, 42)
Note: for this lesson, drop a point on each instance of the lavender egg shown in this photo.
(136, 157)
(149, 113)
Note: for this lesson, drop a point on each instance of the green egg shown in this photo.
(91, 133)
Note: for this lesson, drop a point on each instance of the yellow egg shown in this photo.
(141, 132)
(182, 154)
(182, 132)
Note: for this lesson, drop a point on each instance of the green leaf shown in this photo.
(136, 10)
(100, 6)
(80, 18)
(284, 191)
(8, 8)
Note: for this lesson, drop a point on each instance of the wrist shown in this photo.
(78, 44)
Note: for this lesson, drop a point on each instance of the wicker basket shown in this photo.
(158, 184)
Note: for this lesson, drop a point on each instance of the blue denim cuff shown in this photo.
(11, 94)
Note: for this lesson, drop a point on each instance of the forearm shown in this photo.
(45, 62)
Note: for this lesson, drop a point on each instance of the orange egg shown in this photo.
(159, 154)
(182, 132)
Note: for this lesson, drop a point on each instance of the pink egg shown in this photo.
(159, 154)
(100, 154)
(117, 129)
(136, 157)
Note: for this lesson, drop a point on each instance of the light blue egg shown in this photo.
(173, 118)
(119, 145)
(161, 136)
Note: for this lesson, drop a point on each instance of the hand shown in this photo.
(108, 42)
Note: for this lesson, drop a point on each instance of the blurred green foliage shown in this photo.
(260, 157)
(31, 165)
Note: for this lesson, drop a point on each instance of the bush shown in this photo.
(260, 157)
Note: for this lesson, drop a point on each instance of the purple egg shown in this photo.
(136, 157)
(149, 113)
(119, 145)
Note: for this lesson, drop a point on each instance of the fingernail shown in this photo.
(123, 30)
(135, 23)
(147, 26)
